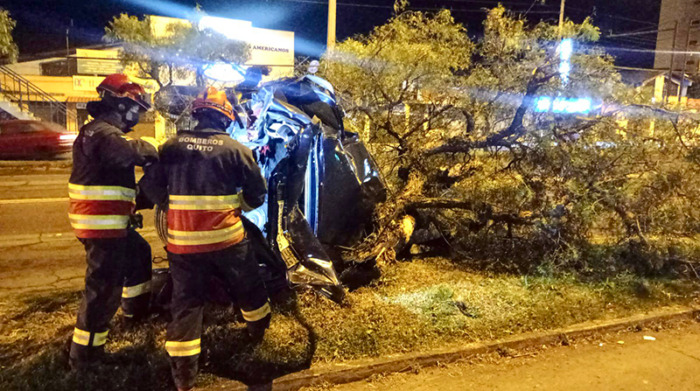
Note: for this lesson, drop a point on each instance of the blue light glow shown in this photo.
(543, 104)
(225, 72)
(566, 48)
(230, 28)
(563, 105)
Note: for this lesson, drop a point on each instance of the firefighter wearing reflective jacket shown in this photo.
(207, 178)
(102, 194)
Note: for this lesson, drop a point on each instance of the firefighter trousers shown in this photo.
(118, 270)
(191, 273)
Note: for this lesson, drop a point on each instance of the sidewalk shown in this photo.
(656, 359)
(358, 370)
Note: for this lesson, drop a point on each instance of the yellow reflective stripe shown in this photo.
(79, 188)
(252, 316)
(184, 348)
(100, 339)
(101, 193)
(193, 238)
(181, 202)
(244, 205)
(82, 337)
(207, 198)
(100, 197)
(98, 221)
(136, 290)
(204, 207)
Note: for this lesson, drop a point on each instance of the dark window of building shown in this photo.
(693, 43)
(691, 62)
(63, 67)
(695, 22)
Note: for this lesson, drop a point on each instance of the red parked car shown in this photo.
(21, 139)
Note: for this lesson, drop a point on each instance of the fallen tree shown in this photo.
(470, 160)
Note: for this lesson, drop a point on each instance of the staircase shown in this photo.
(12, 110)
(22, 99)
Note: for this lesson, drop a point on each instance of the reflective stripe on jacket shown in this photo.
(102, 186)
(100, 211)
(206, 178)
(199, 224)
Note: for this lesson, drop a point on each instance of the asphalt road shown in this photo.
(620, 362)
(38, 250)
(37, 204)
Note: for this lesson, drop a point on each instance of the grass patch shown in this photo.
(414, 306)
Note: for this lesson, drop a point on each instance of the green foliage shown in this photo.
(8, 48)
(453, 127)
(181, 53)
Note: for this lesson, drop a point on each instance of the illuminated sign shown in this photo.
(94, 53)
(268, 47)
(90, 83)
(273, 48)
(92, 66)
(86, 83)
(98, 62)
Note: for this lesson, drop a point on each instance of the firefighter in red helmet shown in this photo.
(206, 178)
(102, 192)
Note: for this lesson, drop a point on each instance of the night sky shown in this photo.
(41, 25)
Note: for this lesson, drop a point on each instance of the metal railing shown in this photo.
(30, 98)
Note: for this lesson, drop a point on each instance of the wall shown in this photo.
(687, 14)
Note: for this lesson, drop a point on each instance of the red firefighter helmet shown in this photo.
(118, 84)
(213, 99)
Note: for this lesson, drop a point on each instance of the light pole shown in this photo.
(331, 24)
(561, 18)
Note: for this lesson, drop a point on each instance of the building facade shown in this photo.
(678, 37)
(71, 80)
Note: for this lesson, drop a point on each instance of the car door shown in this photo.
(33, 139)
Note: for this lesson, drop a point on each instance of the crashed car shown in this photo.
(323, 184)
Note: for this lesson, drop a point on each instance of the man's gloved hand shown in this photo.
(136, 221)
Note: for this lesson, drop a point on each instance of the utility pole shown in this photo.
(671, 67)
(683, 91)
(331, 24)
(561, 18)
(68, 48)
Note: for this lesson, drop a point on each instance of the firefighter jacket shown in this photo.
(102, 186)
(207, 178)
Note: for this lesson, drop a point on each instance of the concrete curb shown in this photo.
(36, 163)
(12, 167)
(362, 369)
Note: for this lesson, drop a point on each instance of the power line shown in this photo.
(616, 17)
(531, 5)
(461, 10)
(464, 10)
(636, 42)
(631, 34)
(490, 2)
(627, 49)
